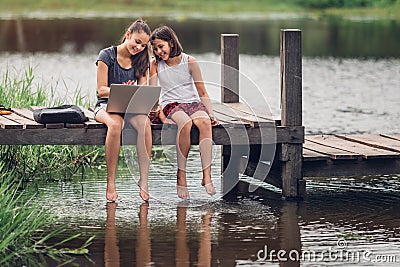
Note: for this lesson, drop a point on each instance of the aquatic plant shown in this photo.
(22, 225)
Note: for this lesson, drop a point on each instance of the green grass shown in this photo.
(149, 5)
(19, 90)
(209, 7)
(22, 225)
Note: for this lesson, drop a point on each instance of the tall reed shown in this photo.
(19, 90)
(22, 223)
(21, 226)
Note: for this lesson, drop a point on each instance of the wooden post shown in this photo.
(291, 155)
(230, 68)
(229, 94)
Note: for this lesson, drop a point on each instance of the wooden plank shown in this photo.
(96, 136)
(310, 155)
(23, 112)
(243, 115)
(5, 123)
(225, 116)
(358, 167)
(33, 108)
(391, 136)
(332, 152)
(229, 115)
(94, 124)
(64, 136)
(55, 125)
(349, 146)
(230, 68)
(27, 123)
(374, 141)
(261, 115)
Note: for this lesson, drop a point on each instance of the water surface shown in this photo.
(351, 71)
(359, 216)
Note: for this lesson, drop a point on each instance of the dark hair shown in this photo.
(140, 61)
(165, 33)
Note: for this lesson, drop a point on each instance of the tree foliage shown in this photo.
(346, 3)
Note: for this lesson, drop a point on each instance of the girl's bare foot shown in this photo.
(144, 195)
(209, 186)
(181, 187)
(111, 193)
(144, 191)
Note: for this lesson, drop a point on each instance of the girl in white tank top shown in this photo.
(185, 101)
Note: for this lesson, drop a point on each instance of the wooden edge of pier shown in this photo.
(264, 146)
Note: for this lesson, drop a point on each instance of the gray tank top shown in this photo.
(176, 83)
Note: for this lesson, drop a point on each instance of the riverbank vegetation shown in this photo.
(19, 90)
(23, 226)
(187, 7)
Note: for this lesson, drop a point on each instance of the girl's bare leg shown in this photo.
(203, 123)
(114, 124)
(143, 146)
(184, 123)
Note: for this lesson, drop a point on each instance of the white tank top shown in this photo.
(176, 83)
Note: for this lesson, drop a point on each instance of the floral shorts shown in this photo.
(188, 108)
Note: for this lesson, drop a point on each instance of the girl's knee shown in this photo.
(140, 122)
(203, 124)
(114, 127)
(187, 126)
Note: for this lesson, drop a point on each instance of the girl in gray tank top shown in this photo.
(126, 63)
(185, 101)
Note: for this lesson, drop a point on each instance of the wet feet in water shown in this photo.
(111, 193)
(209, 186)
(144, 191)
(181, 187)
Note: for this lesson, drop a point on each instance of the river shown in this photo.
(351, 83)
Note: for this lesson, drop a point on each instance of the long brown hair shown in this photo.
(141, 60)
(165, 33)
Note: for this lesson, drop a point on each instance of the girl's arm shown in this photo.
(153, 81)
(201, 89)
(103, 90)
(153, 73)
(143, 80)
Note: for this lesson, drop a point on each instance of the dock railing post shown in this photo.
(230, 68)
(293, 185)
(229, 94)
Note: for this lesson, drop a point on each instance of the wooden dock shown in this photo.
(351, 155)
(255, 143)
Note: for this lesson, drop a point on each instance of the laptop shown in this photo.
(133, 99)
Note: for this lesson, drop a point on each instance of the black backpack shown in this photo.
(61, 114)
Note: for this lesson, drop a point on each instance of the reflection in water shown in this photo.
(288, 223)
(143, 243)
(365, 212)
(204, 254)
(182, 250)
(143, 239)
(111, 251)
